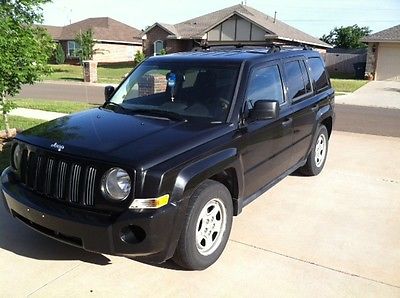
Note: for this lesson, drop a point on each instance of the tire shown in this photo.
(317, 157)
(207, 226)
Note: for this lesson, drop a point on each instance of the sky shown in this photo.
(315, 17)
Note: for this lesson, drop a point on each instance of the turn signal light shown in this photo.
(153, 203)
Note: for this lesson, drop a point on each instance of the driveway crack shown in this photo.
(316, 264)
(54, 279)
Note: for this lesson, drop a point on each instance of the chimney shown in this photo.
(275, 17)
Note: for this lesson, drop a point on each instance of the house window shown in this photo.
(158, 47)
(72, 47)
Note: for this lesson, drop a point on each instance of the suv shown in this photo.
(179, 148)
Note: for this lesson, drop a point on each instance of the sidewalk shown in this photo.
(381, 94)
(36, 114)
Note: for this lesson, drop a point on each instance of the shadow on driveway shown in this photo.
(22, 240)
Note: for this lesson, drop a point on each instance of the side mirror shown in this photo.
(108, 92)
(264, 110)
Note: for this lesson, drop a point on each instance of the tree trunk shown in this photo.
(5, 115)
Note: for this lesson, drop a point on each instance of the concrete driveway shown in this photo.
(333, 235)
(384, 94)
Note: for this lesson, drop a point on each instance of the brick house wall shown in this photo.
(170, 45)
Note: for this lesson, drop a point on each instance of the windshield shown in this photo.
(187, 91)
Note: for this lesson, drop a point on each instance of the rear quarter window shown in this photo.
(318, 73)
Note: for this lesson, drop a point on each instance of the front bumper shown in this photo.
(144, 234)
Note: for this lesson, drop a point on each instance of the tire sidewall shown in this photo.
(321, 130)
(216, 190)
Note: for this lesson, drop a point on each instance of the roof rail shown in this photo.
(269, 47)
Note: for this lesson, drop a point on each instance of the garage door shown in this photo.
(388, 64)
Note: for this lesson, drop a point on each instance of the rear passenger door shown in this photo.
(266, 154)
(304, 107)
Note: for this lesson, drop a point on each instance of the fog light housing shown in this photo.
(153, 203)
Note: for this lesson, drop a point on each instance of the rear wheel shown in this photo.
(207, 227)
(317, 157)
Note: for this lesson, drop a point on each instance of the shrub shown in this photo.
(59, 55)
(139, 57)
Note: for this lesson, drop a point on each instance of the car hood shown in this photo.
(134, 140)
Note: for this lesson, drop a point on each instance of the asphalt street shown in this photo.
(349, 118)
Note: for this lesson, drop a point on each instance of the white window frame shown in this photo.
(74, 48)
(155, 46)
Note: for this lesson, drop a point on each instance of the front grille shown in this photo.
(55, 178)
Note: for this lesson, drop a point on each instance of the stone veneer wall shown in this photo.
(372, 54)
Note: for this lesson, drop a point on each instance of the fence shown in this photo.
(341, 62)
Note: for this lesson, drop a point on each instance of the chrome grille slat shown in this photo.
(74, 183)
(89, 189)
(60, 186)
(49, 173)
(38, 167)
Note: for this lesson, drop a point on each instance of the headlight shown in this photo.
(17, 156)
(116, 184)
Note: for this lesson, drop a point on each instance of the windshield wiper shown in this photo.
(161, 113)
(110, 103)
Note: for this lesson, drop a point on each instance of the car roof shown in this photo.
(235, 55)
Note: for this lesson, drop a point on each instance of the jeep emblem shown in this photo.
(59, 147)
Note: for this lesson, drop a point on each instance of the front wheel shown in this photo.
(207, 227)
(317, 157)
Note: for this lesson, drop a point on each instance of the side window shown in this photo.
(295, 80)
(265, 83)
(318, 73)
(306, 78)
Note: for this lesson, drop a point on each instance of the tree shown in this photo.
(347, 37)
(86, 43)
(25, 49)
(59, 54)
(139, 57)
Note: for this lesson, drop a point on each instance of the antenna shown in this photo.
(275, 17)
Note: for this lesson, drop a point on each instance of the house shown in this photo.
(239, 24)
(115, 41)
(383, 59)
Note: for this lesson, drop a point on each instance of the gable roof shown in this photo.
(196, 28)
(105, 29)
(390, 34)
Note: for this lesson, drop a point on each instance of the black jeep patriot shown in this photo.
(180, 147)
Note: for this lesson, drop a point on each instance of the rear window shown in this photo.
(318, 73)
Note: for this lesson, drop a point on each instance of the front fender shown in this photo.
(191, 176)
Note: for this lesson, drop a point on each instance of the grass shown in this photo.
(345, 85)
(58, 106)
(21, 123)
(111, 73)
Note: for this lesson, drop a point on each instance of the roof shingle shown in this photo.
(390, 34)
(197, 27)
(103, 29)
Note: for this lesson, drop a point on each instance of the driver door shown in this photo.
(266, 154)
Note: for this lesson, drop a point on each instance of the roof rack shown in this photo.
(269, 47)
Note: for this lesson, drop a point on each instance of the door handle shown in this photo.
(315, 108)
(287, 122)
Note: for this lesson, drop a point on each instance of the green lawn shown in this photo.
(21, 123)
(112, 73)
(59, 106)
(345, 85)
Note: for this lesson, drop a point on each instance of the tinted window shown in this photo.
(295, 79)
(318, 73)
(265, 83)
(306, 78)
